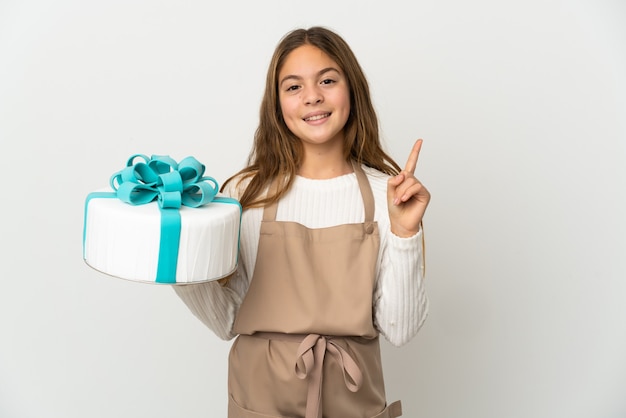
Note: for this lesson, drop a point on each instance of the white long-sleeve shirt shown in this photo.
(400, 302)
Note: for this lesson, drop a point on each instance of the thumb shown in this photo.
(392, 184)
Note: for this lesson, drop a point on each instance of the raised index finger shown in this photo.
(411, 163)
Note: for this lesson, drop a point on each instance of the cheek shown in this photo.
(288, 114)
(343, 99)
(345, 106)
(287, 108)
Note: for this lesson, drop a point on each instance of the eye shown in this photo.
(293, 87)
(328, 81)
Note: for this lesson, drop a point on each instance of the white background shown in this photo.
(522, 106)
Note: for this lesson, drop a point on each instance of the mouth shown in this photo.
(316, 117)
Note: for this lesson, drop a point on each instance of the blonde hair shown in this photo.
(276, 151)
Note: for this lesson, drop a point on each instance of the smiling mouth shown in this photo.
(316, 117)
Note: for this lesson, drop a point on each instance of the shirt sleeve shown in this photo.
(400, 301)
(213, 304)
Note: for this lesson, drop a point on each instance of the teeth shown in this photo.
(318, 117)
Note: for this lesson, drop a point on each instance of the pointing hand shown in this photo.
(407, 197)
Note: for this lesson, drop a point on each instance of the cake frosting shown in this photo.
(162, 222)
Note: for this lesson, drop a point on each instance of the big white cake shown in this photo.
(128, 234)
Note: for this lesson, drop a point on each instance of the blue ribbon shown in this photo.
(161, 178)
(172, 185)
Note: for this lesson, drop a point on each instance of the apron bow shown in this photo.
(310, 362)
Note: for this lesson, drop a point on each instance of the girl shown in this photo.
(331, 245)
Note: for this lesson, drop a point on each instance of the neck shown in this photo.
(321, 166)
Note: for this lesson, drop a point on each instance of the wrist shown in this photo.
(403, 232)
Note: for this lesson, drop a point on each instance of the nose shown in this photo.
(313, 95)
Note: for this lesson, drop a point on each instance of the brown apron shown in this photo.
(307, 346)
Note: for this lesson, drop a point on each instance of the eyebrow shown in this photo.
(319, 73)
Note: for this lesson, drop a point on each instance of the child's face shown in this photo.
(314, 97)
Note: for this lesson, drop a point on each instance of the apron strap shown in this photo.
(269, 213)
(366, 192)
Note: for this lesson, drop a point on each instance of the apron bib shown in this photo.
(307, 346)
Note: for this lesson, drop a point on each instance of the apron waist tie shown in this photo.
(310, 362)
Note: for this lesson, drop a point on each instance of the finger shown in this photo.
(396, 180)
(406, 185)
(411, 163)
(392, 185)
(413, 191)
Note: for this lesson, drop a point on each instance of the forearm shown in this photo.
(401, 304)
(213, 304)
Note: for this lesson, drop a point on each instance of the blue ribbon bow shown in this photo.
(161, 178)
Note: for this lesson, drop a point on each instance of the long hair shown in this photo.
(276, 151)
